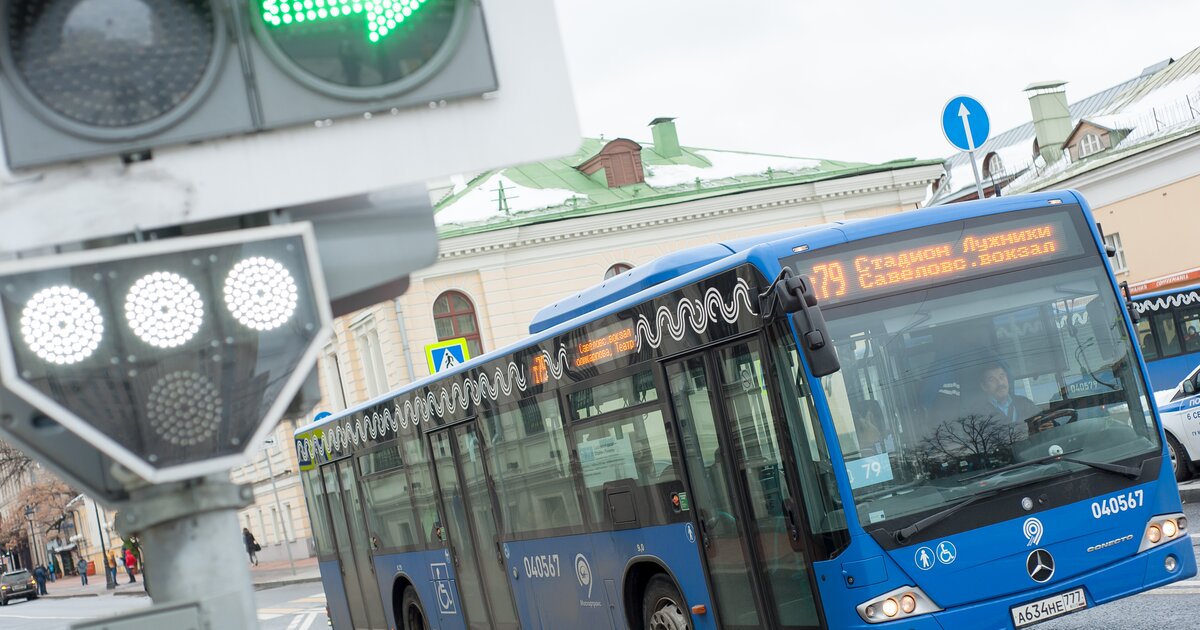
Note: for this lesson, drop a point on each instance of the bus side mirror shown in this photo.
(795, 296)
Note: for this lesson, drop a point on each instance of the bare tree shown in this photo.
(13, 463)
(49, 499)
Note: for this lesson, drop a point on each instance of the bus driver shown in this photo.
(996, 400)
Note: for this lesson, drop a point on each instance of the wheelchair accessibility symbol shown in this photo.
(946, 553)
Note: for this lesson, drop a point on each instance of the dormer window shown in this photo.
(1090, 144)
(993, 166)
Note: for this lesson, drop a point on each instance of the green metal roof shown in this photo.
(476, 207)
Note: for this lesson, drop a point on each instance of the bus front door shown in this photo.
(743, 500)
(468, 513)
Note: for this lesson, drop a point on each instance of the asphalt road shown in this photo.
(296, 607)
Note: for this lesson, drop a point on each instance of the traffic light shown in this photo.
(172, 357)
(84, 78)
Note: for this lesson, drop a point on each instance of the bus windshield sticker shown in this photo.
(869, 471)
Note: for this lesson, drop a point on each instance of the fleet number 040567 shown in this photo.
(1117, 504)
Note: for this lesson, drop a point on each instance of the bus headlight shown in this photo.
(1163, 529)
(900, 603)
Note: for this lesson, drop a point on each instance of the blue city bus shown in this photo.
(1169, 334)
(936, 419)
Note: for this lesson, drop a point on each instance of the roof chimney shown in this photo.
(1051, 118)
(666, 140)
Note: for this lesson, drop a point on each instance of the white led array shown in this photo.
(184, 408)
(62, 325)
(164, 309)
(260, 293)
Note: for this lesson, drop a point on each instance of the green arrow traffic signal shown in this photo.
(382, 16)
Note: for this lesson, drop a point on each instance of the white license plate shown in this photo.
(1048, 608)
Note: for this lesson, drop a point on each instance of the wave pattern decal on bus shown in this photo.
(1166, 302)
(693, 315)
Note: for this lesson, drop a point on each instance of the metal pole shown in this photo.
(190, 540)
(279, 510)
(109, 582)
(412, 376)
(975, 170)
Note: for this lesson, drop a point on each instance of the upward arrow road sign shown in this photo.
(965, 123)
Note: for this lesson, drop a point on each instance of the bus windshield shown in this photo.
(941, 388)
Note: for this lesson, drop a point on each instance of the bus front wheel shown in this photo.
(412, 612)
(663, 606)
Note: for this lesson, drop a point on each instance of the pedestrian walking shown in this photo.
(39, 576)
(130, 565)
(50, 571)
(252, 546)
(111, 566)
(82, 565)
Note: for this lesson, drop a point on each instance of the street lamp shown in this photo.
(32, 543)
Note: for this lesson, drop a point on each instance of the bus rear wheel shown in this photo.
(663, 606)
(412, 613)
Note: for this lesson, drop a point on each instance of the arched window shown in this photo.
(617, 270)
(1090, 144)
(454, 317)
(993, 166)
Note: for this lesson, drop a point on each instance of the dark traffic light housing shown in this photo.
(81, 79)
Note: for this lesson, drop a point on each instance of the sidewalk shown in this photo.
(69, 586)
(1189, 491)
(265, 575)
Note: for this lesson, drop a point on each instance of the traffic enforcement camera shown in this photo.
(86, 78)
(171, 357)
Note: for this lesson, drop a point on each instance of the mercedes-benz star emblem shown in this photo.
(1040, 565)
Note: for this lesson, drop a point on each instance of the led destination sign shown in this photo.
(966, 251)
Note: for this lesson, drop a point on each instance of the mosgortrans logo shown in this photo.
(583, 574)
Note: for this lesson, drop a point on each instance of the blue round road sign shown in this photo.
(965, 123)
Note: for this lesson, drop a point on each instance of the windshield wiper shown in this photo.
(1126, 471)
(903, 534)
(1033, 462)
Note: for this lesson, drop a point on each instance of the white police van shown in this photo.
(1180, 411)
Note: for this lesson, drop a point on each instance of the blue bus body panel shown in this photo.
(995, 555)
(575, 581)
(1165, 374)
(335, 594)
(569, 581)
(432, 575)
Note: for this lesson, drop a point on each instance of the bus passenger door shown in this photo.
(345, 550)
(747, 511)
(468, 515)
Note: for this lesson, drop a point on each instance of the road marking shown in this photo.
(312, 617)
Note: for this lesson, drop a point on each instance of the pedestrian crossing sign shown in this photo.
(444, 355)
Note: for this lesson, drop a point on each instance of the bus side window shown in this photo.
(1190, 327)
(1146, 338)
(1168, 338)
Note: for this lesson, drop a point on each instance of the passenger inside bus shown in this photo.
(874, 437)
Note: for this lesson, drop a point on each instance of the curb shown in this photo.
(1190, 495)
(131, 592)
(69, 596)
(262, 586)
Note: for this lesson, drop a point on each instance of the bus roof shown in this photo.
(677, 269)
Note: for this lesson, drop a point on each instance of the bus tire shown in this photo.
(1179, 459)
(412, 614)
(663, 607)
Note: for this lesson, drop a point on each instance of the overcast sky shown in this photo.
(847, 79)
